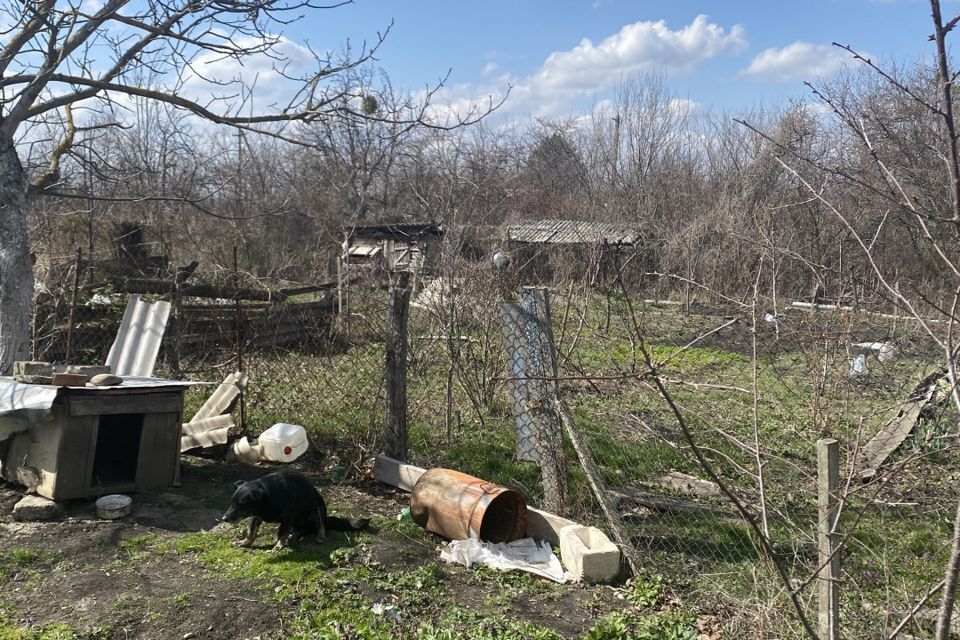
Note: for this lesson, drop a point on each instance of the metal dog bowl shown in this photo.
(114, 506)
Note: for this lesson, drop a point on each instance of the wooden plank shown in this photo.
(686, 483)
(207, 424)
(146, 285)
(892, 435)
(148, 442)
(159, 451)
(600, 492)
(123, 390)
(395, 419)
(396, 473)
(221, 401)
(78, 444)
(205, 439)
(545, 525)
(828, 582)
(147, 403)
(665, 504)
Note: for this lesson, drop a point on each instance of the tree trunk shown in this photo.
(16, 267)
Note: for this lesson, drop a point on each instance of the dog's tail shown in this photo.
(342, 524)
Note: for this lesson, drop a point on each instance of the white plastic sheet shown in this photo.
(525, 554)
(33, 401)
(858, 366)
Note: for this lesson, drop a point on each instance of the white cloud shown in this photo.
(684, 107)
(589, 68)
(489, 69)
(637, 47)
(797, 61)
(257, 84)
(265, 76)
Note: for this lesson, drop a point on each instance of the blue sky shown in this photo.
(562, 56)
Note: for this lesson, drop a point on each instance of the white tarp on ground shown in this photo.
(525, 554)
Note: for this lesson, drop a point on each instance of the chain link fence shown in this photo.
(700, 416)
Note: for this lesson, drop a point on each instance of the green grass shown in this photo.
(805, 394)
(9, 631)
(341, 591)
(25, 562)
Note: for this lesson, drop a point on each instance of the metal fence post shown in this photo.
(395, 423)
(532, 367)
(828, 480)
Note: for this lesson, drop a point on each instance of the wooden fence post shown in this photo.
(395, 423)
(828, 481)
(73, 305)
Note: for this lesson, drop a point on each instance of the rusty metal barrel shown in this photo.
(459, 506)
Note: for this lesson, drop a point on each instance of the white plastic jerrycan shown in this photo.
(282, 442)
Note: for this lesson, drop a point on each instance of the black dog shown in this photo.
(290, 499)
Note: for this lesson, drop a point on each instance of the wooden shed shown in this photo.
(389, 247)
(91, 441)
(548, 250)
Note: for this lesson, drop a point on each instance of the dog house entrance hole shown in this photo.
(117, 451)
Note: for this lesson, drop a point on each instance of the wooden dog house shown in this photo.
(95, 441)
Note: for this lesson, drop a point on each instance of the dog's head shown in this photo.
(242, 505)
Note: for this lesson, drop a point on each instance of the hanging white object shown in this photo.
(858, 366)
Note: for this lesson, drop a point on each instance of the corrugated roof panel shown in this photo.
(572, 232)
(134, 351)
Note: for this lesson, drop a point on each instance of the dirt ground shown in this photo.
(88, 578)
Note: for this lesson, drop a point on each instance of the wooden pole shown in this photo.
(828, 481)
(73, 306)
(239, 335)
(610, 513)
(395, 422)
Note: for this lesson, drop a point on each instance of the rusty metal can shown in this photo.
(459, 506)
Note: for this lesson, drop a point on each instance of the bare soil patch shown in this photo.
(94, 576)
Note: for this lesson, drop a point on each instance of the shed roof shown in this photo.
(572, 232)
(394, 230)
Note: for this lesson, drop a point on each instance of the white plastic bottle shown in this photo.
(282, 442)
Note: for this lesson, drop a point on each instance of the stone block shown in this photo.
(34, 508)
(32, 372)
(588, 554)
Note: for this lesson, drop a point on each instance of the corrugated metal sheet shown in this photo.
(394, 231)
(135, 349)
(572, 232)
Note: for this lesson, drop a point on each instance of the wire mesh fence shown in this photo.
(701, 420)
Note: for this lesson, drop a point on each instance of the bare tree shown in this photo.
(62, 61)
